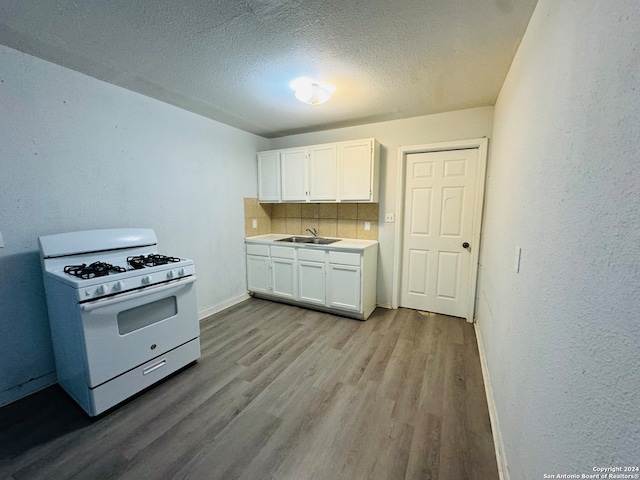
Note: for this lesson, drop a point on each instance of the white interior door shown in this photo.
(438, 220)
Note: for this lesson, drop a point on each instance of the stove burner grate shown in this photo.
(96, 269)
(152, 260)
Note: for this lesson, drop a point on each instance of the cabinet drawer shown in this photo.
(345, 258)
(283, 252)
(312, 255)
(253, 249)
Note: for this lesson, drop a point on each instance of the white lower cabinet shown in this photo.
(258, 268)
(312, 273)
(336, 281)
(258, 273)
(344, 287)
(312, 280)
(344, 280)
(283, 278)
(283, 272)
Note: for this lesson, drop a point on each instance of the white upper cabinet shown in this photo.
(269, 176)
(323, 171)
(293, 165)
(332, 172)
(358, 164)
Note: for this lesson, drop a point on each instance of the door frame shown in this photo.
(482, 145)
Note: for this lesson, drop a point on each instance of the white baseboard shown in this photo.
(385, 305)
(25, 389)
(501, 459)
(222, 306)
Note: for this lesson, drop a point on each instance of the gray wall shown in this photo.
(562, 337)
(77, 153)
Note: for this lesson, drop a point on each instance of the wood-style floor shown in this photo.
(279, 393)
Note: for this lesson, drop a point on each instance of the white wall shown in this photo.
(442, 127)
(562, 337)
(77, 153)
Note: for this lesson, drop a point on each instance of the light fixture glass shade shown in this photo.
(312, 92)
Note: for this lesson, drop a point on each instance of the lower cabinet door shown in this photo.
(312, 282)
(344, 287)
(257, 274)
(284, 278)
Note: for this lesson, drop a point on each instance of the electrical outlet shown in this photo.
(367, 225)
(516, 264)
(254, 223)
(389, 217)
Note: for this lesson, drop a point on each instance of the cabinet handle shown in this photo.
(155, 366)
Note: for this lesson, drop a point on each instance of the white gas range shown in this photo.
(122, 316)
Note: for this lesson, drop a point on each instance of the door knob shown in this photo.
(465, 245)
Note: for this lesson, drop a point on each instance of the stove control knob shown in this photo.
(118, 286)
(87, 292)
(170, 274)
(181, 272)
(102, 289)
(146, 280)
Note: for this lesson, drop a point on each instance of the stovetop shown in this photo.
(135, 262)
(96, 269)
(107, 262)
(152, 260)
(100, 274)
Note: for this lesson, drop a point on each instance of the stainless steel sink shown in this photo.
(310, 240)
(323, 241)
(296, 239)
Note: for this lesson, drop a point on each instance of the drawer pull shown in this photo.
(155, 366)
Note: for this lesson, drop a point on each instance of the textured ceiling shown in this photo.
(232, 60)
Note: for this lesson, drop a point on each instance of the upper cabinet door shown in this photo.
(323, 172)
(294, 174)
(332, 172)
(269, 176)
(357, 167)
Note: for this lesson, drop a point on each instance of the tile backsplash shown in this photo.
(344, 220)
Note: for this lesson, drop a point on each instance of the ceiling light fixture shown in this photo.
(312, 92)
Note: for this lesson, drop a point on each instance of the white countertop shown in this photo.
(343, 244)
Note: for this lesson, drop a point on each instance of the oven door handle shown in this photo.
(87, 307)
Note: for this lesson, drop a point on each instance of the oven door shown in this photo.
(127, 330)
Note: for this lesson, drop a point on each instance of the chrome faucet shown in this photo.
(313, 231)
